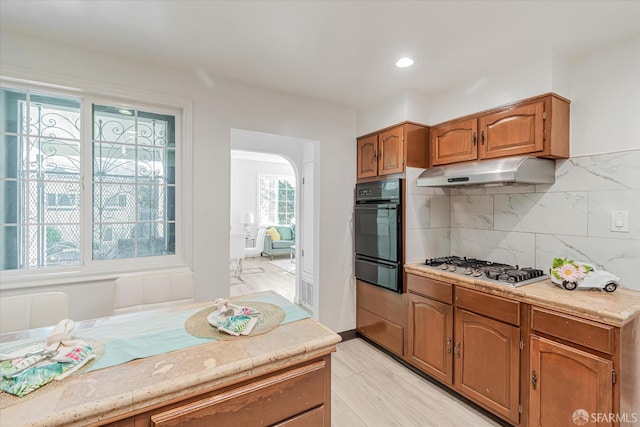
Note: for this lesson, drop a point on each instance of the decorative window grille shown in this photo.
(50, 199)
(276, 202)
(133, 183)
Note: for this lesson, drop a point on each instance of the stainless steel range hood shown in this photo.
(508, 170)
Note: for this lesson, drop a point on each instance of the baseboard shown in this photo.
(348, 335)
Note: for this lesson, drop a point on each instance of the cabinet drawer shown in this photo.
(584, 332)
(430, 288)
(386, 304)
(264, 402)
(488, 305)
(383, 332)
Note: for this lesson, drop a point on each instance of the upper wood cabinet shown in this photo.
(538, 126)
(390, 150)
(454, 142)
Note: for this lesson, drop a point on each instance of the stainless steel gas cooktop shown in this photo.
(494, 272)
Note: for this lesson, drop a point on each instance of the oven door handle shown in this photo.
(377, 207)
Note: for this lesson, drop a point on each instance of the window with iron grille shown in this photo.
(71, 168)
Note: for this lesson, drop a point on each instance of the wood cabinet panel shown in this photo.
(430, 343)
(367, 157)
(564, 379)
(382, 331)
(487, 363)
(391, 151)
(454, 142)
(312, 418)
(434, 289)
(537, 126)
(498, 308)
(388, 151)
(584, 332)
(386, 304)
(512, 132)
(264, 402)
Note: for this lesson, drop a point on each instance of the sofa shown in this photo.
(278, 240)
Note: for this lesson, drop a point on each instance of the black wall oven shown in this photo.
(378, 233)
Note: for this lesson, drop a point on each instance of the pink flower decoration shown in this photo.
(569, 273)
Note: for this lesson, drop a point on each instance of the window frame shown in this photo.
(292, 180)
(89, 269)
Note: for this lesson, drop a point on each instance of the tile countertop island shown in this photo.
(615, 309)
(195, 381)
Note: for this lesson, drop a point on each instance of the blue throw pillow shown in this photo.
(285, 232)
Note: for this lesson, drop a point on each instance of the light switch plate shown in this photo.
(620, 221)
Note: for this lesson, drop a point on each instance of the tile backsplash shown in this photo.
(529, 225)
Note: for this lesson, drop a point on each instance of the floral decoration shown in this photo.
(566, 270)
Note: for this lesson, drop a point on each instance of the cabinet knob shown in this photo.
(482, 137)
(457, 349)
(534, 380)
(474, 138)
(448, 345)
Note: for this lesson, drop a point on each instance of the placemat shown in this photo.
(269, 318)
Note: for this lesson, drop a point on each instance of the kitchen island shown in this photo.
(281, 376)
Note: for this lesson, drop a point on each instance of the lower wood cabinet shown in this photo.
(487, 363)
(529, 365)
(565, 380)
(297, 396)
(381, 316)
(430, 342)
(476, 353)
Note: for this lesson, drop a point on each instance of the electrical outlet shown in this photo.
(620, 221)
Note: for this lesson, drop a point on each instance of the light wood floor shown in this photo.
(371, 389)
(260, 275)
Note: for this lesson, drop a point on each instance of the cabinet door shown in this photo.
(454, 142)
(391, 151)
(565, 380)
(431, 337)
(487, 362)
(515, 131)
(367, 157)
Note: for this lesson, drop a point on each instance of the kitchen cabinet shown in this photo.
(470, 343)
(532, 355)
(380, 316)
(536, 126)
(563, 380)
(430, 327)
(487, 362)
(291, 397)
(571, 368)
(390, 150)
(454, 142)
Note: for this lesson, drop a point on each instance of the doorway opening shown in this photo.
(273, 185)
(262, 212)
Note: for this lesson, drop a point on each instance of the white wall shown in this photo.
(217, 109)
(605, 100)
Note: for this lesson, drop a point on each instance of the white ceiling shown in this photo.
(342, 52)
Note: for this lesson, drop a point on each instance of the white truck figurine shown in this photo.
(571, 275)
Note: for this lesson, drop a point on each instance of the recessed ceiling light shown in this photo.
(125, 112)
(404, 62)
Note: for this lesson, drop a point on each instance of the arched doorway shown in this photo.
(277, 153)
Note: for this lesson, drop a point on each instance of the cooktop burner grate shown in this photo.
(495, 272)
